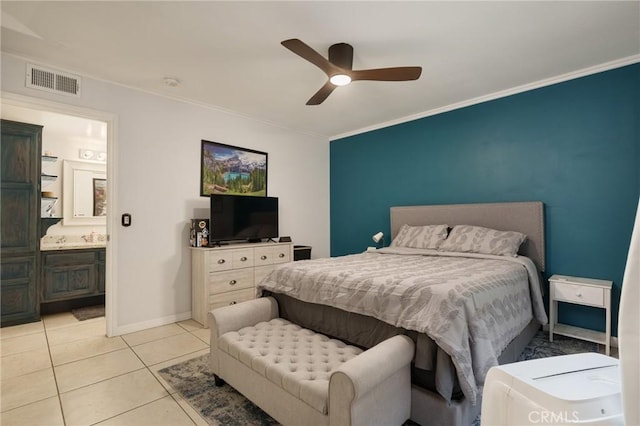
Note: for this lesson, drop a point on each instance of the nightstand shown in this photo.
(581, 291)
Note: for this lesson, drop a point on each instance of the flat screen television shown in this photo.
(242, 217)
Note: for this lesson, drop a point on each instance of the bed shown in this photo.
(469, 312)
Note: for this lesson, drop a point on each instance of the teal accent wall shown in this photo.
(574, 146)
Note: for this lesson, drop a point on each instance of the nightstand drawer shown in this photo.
(581, 294)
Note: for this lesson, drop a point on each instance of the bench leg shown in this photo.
(218, 381)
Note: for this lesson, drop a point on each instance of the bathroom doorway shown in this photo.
(77, 201)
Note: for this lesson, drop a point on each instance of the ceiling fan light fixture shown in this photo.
(340, 79)
(338, 68)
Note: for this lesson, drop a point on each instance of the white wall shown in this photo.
(157, 182)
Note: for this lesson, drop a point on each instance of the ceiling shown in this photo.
(227, 55)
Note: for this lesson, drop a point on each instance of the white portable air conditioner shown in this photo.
(562, 390)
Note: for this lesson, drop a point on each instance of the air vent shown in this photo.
(52, 81)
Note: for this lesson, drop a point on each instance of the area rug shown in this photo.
(88, 312)
(224, 406)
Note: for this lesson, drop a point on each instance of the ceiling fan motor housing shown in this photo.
(341, 54)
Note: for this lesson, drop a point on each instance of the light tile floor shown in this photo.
(60, 371)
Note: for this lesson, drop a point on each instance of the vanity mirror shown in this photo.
(84, 191)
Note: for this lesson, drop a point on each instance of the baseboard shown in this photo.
(157, 322)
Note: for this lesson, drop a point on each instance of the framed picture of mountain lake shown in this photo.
(226, 169)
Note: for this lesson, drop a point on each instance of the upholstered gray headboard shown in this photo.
(525, 217)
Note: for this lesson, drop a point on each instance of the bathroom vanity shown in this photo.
(72, 274)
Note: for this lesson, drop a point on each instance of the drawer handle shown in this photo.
(263, 257)
(579, 294)
(233, 303)
(243, 259)
(281, 255)
(221, 261)
(233, 282)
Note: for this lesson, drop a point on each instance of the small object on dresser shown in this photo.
(199, 232)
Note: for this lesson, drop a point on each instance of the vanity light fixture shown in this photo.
(87, 154)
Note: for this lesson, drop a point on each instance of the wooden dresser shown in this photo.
(227, 275)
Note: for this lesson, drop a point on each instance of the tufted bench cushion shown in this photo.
(298, 360)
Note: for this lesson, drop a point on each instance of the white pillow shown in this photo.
(424, 237)
(476, 239)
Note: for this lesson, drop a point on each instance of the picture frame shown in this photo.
(228, 169)
(99, 197)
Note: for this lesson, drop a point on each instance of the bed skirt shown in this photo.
(436, 395)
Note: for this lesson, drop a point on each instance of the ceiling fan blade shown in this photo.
(388, 74)
(322, 94)
(304, 51)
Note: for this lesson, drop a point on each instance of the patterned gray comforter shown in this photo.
(471, 305)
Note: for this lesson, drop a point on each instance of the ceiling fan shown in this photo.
(339, 68)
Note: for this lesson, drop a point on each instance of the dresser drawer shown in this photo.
(231, 298)
(243, 258)
(221, 282)
(566, 292)
(272, 255)
(224, 260)
(69, 258)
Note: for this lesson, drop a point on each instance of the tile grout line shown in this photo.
(148, 367)
(46, 330)
(172, 394)
(158, 380)
(53, 371)
(129, 410)
(35, 371)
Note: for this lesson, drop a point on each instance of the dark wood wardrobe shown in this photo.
(20, 222)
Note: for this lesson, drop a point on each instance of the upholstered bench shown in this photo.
(302, 377)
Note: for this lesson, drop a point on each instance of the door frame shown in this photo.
(111, 120)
